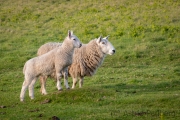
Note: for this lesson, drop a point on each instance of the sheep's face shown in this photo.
(74, 39)
(105, 45)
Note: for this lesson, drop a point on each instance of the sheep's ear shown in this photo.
(99, 39)
(106, 37)
(70, 33)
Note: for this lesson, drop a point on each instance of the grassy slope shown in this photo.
(141, 81)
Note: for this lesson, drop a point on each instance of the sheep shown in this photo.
(57, 60)
(86, 59)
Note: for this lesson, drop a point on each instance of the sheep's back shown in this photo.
(47, 47)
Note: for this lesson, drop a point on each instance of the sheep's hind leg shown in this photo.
(31, 88)
(43, 80)
(81, 82)
(25, 85)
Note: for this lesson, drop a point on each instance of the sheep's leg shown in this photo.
(66, 78)
(25, 85)
(81, 79)
(59, 76)
(43, 80)
(31, 88)
(74, 82)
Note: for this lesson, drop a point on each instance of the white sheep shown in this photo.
(86, 59)
(57, 60)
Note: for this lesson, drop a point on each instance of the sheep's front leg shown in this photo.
(74, 82)
(43, 80)
(66, 78)
(81, 79)
(59, 76)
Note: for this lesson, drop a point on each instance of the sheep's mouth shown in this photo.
(80, 45)
(112, 52)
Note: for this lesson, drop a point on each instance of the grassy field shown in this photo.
(140, 82)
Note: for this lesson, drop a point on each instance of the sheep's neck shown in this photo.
(95, 50)
(68, 49)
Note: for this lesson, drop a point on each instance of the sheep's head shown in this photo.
(74, 39)
(105, 45)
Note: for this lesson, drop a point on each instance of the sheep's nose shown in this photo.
(113, 51)
(80, 45)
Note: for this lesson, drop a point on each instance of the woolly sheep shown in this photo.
(86, 59)
(57, 60)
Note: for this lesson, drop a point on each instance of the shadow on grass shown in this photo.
(134, 88)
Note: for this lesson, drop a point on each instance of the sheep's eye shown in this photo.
(74, 39)
(103, 43)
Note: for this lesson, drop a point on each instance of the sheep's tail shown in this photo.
(24, 69)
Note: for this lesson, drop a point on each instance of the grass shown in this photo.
(140, 81)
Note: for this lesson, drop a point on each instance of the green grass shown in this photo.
(141, 81)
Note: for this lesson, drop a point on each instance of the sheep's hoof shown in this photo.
(22, 100)
(44, 93)
(68, 88)
(31, 97)
(60, 89)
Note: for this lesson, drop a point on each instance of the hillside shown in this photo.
(140, 81)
